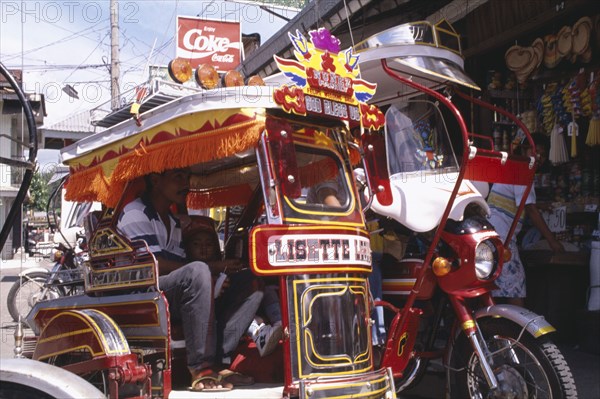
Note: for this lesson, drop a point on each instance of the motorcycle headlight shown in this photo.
(486, 259)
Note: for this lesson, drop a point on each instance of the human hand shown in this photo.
(556, 246)
(233, 265)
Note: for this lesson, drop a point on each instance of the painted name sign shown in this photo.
(314, 249)
(323, 106)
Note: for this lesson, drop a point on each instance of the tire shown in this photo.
(25, 292)
(535, 368)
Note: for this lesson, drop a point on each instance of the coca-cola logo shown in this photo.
(194, 41)
(218, 43)
(198, 45)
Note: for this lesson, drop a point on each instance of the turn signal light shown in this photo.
(180, 70)
(507, 254)
(58, 255)
(441, 266)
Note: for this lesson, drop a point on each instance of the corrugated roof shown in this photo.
(77, 123)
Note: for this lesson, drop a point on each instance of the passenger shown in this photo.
(267, 331)
(202, 244)
(503, 201)
(187, 286)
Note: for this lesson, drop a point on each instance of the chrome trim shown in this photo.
(411, 377)
(483, 361)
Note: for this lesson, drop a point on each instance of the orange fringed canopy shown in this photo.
(223, 196)
(102, 174)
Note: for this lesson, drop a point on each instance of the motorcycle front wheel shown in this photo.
(26, 292)
(525, 367)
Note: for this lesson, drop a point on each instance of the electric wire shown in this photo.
(65, 39)
(86, 58)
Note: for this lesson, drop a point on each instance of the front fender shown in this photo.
(535, 324)
(30, 270)
(19, 374)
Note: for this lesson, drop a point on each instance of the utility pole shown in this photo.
(115, 70)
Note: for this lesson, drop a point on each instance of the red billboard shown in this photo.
(202, 41)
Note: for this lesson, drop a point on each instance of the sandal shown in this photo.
(216, 380)
(234, 378)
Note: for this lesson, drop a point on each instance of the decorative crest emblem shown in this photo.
(326, 81)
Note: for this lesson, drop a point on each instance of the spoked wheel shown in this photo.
(29, 165)
(27, 291)
(98, 378)
(525, 367)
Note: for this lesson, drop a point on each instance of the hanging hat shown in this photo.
(565, 41)
(581, 35)
(518, 58)
(522, 61)
(538, 47)
(551, 57)
(587, 55)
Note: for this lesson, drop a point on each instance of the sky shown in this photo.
(68, 42)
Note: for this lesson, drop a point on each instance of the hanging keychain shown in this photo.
(573, 131)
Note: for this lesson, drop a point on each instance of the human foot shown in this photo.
(208, 381)
(234, 378)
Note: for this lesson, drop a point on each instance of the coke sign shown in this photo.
(201, 41)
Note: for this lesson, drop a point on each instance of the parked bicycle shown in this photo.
(38, 284)
(64, 278)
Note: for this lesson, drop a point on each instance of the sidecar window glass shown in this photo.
(417, 139)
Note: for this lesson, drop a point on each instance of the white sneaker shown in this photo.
(266, 338)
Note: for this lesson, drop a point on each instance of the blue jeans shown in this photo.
(189, 292)
(378, 333)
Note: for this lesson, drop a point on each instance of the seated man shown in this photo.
(187, 286)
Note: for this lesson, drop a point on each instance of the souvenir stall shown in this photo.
(549, 75)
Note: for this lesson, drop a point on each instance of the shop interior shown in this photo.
(541, 61)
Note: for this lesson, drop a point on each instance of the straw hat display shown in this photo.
(551, 55)
(538, 47)
(570, 43)
(523, 61)
(582, 31)
(564, 42)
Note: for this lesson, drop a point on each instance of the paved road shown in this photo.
(585, 366)
(9, 271)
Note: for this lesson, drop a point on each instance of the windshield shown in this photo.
(417, 138)
(323, 180)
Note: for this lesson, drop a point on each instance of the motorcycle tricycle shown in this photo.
(256, 151)
(430, 175)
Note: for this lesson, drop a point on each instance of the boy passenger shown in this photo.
(187, 286)
(202, 244)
